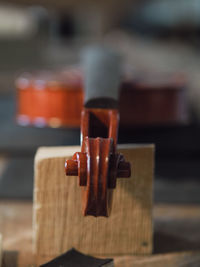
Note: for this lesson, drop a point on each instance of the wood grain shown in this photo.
(59, 225)
(15, 220)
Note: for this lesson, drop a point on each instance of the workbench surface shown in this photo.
(176, 236)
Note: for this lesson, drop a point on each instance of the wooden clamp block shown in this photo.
(58, 223)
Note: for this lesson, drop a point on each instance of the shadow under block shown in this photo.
(58, 224)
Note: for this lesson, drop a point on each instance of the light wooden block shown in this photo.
(58, 224)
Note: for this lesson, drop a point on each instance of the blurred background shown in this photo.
(157, 38)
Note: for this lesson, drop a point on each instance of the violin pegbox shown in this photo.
(98, 165)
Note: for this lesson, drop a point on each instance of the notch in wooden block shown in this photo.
(58, 222)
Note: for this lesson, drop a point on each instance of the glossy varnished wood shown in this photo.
(141, 102)
(98, 164)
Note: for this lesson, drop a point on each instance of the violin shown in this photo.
(98, 164)
(56, 99)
